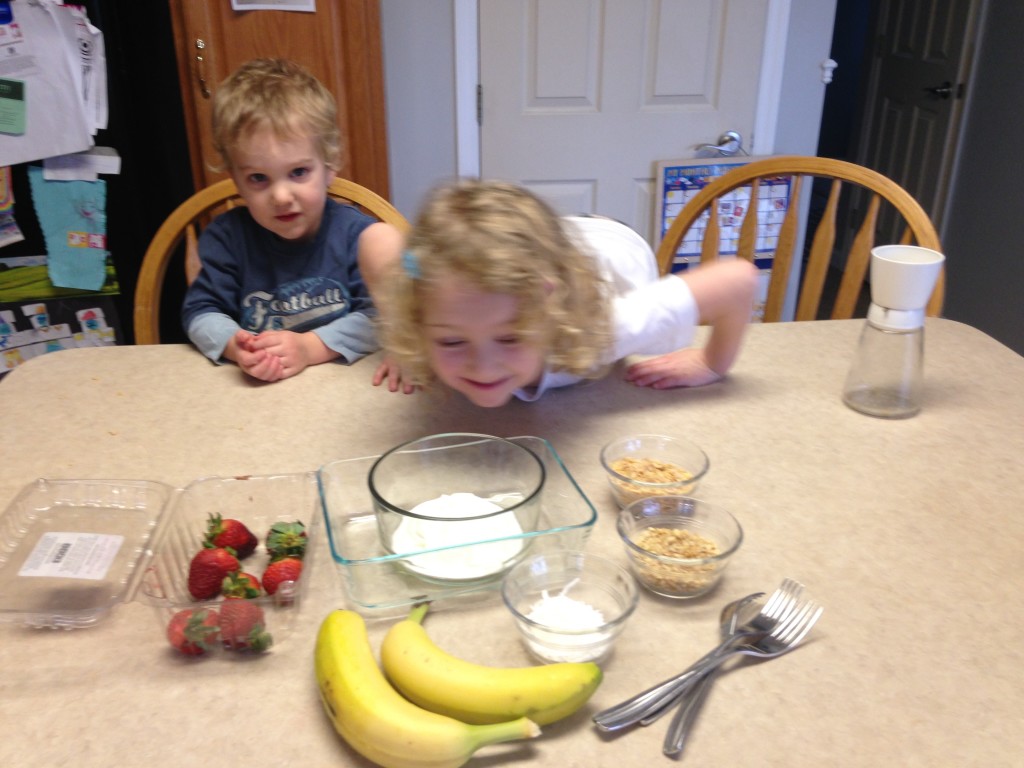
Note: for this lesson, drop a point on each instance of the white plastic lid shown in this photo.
(895, 319)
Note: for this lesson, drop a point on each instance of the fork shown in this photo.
(778, 607)
(766, 645)
(780, 640)
(783, 639)
(646, 706)
(693, 697)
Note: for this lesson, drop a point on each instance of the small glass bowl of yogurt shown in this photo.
(457, 506)
(569, 605)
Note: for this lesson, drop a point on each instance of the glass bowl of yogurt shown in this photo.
(456, 506)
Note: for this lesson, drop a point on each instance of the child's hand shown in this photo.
(256, 362)
(389, 371)
(294, 352)
(682, 368)
(263, 366)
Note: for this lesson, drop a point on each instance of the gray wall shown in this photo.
(419, 72)
(802, 96)
(984, 236)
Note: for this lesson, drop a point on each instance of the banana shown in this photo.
(374, 718)
(442, 683)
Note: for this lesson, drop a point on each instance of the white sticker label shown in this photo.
(72, 555)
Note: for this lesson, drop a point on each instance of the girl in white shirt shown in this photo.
(497, 297)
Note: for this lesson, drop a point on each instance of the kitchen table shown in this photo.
(909, 532)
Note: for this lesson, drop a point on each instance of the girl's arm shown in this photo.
(380, 251)
(724, 293)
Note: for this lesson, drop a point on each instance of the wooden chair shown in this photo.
(186, 222)
(900, 207)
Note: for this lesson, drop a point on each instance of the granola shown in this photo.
(675, 578)
(647, 470)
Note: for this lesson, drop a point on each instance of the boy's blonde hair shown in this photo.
(504, 240)
(278, 94)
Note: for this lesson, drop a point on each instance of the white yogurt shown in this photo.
(414, 534)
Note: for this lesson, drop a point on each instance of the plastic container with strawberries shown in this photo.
(72, 550)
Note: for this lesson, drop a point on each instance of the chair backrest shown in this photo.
(186, 222)
(919, 230)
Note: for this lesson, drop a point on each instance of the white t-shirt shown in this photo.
(651, 315)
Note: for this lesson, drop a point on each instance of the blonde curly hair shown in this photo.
(504, 240)
(278, 94)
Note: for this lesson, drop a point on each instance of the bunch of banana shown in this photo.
(377, 721)
(473, 693)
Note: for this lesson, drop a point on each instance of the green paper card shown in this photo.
(12, 107)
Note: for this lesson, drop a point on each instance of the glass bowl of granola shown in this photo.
(640, 466)
(678, 546)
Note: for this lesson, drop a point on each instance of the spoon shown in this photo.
(647, 706)
(732, 616)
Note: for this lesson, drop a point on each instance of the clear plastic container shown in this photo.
(72, 550)
(378, 582)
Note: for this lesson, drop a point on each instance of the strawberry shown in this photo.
(242, 626)
(286, 540)
(280, 571)
(207, 570)
(240, 584)
(193, 631)
(226, 532)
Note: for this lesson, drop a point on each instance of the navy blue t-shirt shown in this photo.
(263, 282)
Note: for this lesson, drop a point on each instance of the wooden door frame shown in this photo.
(467, 69)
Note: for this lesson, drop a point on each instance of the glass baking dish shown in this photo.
(381, 584)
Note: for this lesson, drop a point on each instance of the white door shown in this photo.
(581, 98)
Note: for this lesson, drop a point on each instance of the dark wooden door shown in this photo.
(340, 43)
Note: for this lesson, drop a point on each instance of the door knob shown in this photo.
(729, 143)
(943, 91)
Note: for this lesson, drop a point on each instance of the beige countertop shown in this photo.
(909, 532)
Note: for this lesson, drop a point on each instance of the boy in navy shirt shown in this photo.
(280, 287)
